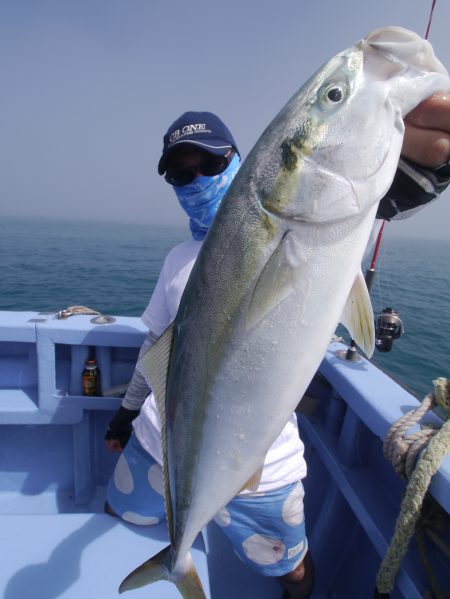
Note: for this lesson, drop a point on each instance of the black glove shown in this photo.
(120, 426)
(413, 186)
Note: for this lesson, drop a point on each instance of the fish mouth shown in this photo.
(403, 48)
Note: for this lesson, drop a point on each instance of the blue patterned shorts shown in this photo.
(267, 530)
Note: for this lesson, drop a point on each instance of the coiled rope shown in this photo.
(403, 451)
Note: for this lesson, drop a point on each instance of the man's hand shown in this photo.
(113, 445)
(427, 132)
(119, 429)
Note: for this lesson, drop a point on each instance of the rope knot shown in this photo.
(402, 449)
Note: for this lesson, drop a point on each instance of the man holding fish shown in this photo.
(200, 159)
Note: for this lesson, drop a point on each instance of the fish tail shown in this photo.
(160, 567)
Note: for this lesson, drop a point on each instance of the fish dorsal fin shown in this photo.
(154, 366)
(275, 283)
(357, 317)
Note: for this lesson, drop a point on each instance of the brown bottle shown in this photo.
(91, 378)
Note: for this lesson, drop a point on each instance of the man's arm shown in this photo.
(119, 429)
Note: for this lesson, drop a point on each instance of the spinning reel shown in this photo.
(388, 327)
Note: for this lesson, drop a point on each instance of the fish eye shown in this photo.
(333, 94)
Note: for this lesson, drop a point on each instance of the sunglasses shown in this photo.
(208, 168)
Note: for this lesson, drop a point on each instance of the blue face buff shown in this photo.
(201, 198)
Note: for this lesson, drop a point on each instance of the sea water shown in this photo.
(49, 265)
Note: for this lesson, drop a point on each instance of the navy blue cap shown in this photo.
(202, 129)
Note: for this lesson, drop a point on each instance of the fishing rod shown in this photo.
(433, 4)
(370, 272)
(388, 326)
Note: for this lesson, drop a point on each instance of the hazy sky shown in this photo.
(89, 87)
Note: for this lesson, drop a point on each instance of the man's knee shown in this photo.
(300, 582)
(296, 575)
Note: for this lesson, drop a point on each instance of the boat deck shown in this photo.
(87, 555)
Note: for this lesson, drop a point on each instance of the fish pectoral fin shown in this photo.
(275, 283)
(358, 316)
(160, 567)
(154, 365)
(253, 482)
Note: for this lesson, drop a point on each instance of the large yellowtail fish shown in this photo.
(277, 271)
